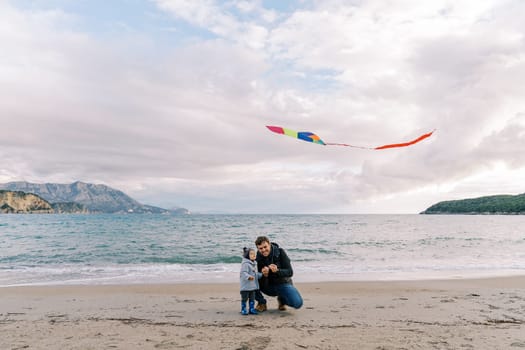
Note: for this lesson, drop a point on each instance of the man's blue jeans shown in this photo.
(288, 294)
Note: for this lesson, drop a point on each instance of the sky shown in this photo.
(167, 100)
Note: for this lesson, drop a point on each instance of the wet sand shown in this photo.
(438, 314)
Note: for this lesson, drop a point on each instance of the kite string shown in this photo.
(345, 145)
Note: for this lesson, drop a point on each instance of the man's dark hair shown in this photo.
(261, 239)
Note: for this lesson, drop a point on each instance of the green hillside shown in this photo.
(498, 204)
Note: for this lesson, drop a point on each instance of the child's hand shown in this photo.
(265, 271)
(251, 278)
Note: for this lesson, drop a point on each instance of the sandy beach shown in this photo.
(436, 314)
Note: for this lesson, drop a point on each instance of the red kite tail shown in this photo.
(404, 144)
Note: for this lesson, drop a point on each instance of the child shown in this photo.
(249, 280)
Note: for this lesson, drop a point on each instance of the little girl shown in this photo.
(249, 280)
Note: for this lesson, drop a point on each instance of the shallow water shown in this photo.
(108, 249)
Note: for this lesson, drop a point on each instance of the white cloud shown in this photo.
(216, 19)
(186, 123)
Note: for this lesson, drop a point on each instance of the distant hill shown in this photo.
(498, 204)
(95, 198)
(14, 202)
(18, 202)
(69, 208)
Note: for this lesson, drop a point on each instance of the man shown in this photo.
(277, 272)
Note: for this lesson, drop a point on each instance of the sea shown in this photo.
(151, 249)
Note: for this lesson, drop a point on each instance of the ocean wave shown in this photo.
(41, 249)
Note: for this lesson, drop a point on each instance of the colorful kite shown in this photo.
(311, 137)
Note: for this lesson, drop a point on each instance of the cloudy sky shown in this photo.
(168, 100)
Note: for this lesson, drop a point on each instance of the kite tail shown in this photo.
(404, 144)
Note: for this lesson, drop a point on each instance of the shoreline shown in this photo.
(220, 274)
(517, 279)
(482, 313)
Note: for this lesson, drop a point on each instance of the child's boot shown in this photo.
(252, 308)
(243, 308)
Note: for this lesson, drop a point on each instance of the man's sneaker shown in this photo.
(261, 307)
(282, 307)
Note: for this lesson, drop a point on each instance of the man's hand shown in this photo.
(274, 268)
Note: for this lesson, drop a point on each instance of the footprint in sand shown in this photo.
(166, 345)
(257, 343)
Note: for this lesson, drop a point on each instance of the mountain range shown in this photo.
(86, 197)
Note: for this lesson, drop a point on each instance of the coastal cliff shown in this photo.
(18, 202)
(15, 202)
